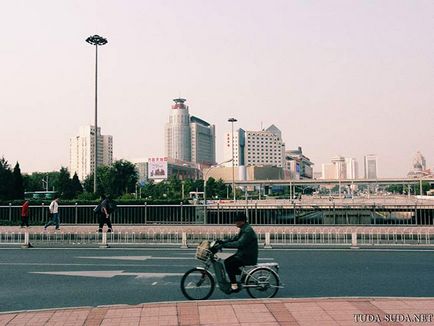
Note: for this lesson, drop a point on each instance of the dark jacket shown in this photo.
(246, 242)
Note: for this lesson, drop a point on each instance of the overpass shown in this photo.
(309, 182)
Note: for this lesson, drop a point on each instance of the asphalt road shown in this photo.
(49, 278)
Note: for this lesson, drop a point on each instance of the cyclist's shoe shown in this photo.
(238, 289)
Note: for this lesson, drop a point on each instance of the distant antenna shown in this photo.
(261, 126)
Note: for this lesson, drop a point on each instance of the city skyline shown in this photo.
(338, 78)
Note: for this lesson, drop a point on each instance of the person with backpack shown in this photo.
(104, 209)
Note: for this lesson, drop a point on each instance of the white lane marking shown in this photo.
(136, 257)
(109, 274)
(71, 264)
(221, 255)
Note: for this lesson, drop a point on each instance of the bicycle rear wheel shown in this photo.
(262, 283)
(197, 284)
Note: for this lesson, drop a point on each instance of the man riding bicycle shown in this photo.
(246, 241)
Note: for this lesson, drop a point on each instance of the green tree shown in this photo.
(104, 181)
(64, 185)
(18, 184)
(115, 180)
(76, 186)
(6, 180)
(396, 189)
(125, 177)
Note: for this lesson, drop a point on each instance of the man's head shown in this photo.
(240, 219)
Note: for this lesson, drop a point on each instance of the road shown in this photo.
(49, 278)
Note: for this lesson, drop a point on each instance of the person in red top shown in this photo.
(25, 214)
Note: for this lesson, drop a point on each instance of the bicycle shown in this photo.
(260, 281)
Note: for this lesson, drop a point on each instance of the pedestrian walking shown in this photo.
(104, 209)
(25, 214)
(54, 211)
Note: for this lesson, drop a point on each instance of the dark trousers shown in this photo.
(24, 221)
(104, 220)
(232, 265)
(55, 220)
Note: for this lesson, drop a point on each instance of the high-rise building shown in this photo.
(352, 168)
(178, 132)
(328, 171)
(256, 148)
(298, 165)
(82, 149)
(370, 166)
(189, 138)
(340, 167)
(238, 142)
(202, 142)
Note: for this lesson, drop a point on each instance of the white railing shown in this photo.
(284, 238)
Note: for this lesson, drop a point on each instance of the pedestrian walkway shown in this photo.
(271, 312)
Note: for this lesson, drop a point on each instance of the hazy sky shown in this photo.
(337, 77)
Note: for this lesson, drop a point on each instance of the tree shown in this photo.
(104, 181)
(6, 180)
(64, 184)
(76, 186)
(115, 180)
(125, 177)
(17, 190)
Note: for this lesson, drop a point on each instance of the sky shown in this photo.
(338, 77)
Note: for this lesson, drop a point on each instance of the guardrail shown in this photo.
(184, 239)
(282, 214)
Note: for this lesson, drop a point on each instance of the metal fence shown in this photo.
(277, 238)
(293, 214)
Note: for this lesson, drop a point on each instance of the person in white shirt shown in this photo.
(54, 211)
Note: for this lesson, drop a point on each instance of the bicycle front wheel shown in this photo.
(197, 284)
(262, 283)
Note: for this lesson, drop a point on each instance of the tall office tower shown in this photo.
(370, 166)
(178, 132)
(352, 167)
(82, 149)
(340, 167)
(256, 148)
(202, 142)
(189, 139)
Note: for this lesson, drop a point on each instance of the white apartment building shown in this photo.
(256, 148)
(82, 149)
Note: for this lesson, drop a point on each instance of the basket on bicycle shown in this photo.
(202, 252)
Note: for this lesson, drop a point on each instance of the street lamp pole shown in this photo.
(232, 120)
(97, 41)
